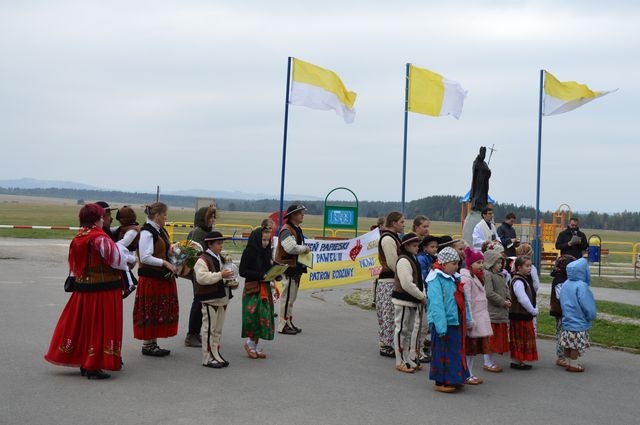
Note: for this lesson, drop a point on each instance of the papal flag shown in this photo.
(561, 97)
(320, 88)
(432, 94)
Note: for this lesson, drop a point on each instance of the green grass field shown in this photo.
(603, 332)
(65, 214)
(228, 221)
(607, 333)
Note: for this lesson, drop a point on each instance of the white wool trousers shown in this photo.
(405, 319)
(290, 286)
(211, 331)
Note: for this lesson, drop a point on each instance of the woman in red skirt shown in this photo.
(89, 332)
(155, 312)
(499, 302)
(522, 334)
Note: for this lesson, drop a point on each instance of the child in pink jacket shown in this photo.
(477, 339)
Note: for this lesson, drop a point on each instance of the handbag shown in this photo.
(70, 284)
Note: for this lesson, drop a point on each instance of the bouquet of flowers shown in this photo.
(183, 255)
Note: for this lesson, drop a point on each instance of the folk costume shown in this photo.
(201, 227)
(155, 312)
(290, 245)
(89, 332)
(214, 294)
(128, 236)
(448, 316)
(257, 300)
(407, 297)
(497, 292)
(477, 337)
(388, 246)
(522, 334)
(426, 261)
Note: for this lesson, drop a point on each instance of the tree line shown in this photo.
(438, 208)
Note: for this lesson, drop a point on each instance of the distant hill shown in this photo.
(440, 208)
(28, 183)
(201, 193)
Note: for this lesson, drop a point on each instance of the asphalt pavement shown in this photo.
(329, 374)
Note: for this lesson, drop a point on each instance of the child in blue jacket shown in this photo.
(578, 311)
(448, 316)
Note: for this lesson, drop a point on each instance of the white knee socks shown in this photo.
(488, 360)
(470, 364)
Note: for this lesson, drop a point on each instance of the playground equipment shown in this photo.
(550, 231)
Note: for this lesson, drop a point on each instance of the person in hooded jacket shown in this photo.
(498, 303)
(477, 337)
(578, 311)
(203, 223)
(559, 274)
(257, 300)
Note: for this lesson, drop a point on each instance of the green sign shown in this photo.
(340, 216)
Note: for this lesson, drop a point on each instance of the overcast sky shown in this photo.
(190, 94)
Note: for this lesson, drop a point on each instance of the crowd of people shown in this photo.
(88, 334)
(439, 300)
(479, 298)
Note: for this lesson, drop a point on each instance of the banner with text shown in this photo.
(341, 262)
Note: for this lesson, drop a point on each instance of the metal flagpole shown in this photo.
(404, 153)
(284, 141)
(537, 246)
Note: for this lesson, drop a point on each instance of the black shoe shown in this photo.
(387, 351)
(425, 358)
(295, 328)
(520, 366)
(97, 374)
(155, 351)
(83, 371)
(214, 364)
(288, 331)
(224, 362)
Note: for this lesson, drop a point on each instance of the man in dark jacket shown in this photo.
(507, 235)
(572, 241)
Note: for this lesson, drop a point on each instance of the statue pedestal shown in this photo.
(470, 221)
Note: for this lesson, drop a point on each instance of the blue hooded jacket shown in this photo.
(576, 298)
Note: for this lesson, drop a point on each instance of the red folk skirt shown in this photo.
(522, 340)
(155, 312)
(89, 331)
(476, 346)
(499, 341)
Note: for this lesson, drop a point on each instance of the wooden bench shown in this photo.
(548, 259)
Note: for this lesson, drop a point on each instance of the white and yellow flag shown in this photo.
(432, 94)
(561, 97)
(320, 88)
